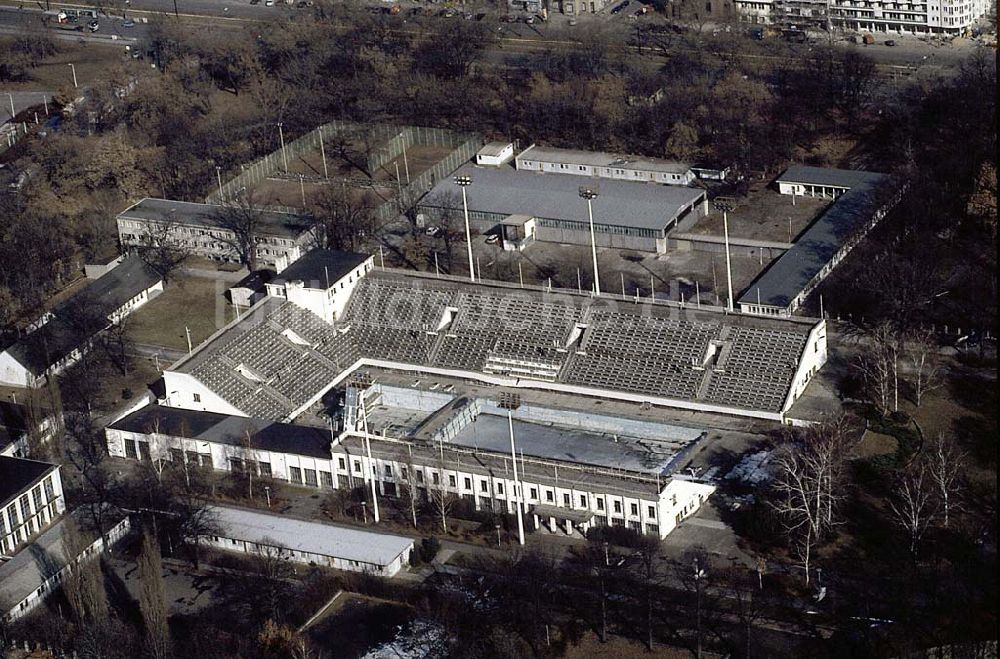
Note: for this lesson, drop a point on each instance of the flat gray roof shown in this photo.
(793, 270)
(490, 432)
(493, 149)
(601, 159)
(507, 191)
(185, 212)
(838, 178)
(310, 537)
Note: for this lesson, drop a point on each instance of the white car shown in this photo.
(268, 3)
(433, 231)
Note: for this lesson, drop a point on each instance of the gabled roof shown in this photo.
(321, 268)
(225, 429)
(284, 225)
(17, 474)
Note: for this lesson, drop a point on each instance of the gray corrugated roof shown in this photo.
(840, 178)
(601, 159)
(283, 225)
(557, 196)
(231, 430)
(312, 537)
(320, 266)
(116, 286)
(493, 149)
(792, 272)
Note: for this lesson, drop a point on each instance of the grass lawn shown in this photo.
(193, 302)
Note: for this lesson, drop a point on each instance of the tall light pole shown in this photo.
(281, 137)
(72, 68)
(590, 194)
(12, 113)
(725, 207)
(368, 450)
(218, 176)
(699, 574)
(464, 182)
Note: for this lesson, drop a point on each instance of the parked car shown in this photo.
(93, 26)
(433, 231)
(529, 20)
(492, 239)
(130, 23)
(890, 42)
(572, 22)
(620, 7)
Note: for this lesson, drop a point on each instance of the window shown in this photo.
(550, 495)
(583, 500)
(49, 492)
(435, 478)
(534, 493)
(499, 488)
(341, 463)
(130, 451)
(311, 478)
(468, 483)
(652, 512)
(388, 470)
(326, 479)
(25, 508)
(357, 466)
(634, 508)
(235, 465)
(36, 497)
(403, 473)
(600, 503)
(420, 477)
(483, 487)
(618, 506)
(295, 474)
(264, 468)
(197, 398)
(451, 480)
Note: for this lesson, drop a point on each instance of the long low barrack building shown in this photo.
(279, 359)
(627, 214)
(861, 200)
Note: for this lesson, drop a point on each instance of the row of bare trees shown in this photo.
(890, 356)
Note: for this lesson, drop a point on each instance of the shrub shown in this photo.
(429, 548)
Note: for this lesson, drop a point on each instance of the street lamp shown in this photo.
(218, 176)
(699, 574)
(725, 207)
(73, 69)
(267, 493)
(590, 194)
(497, 526)
(464, 182)
(281, 137)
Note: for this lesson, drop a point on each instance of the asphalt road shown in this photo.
(519, 43)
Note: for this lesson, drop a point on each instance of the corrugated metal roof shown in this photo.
(507, 191)
(311, 537)
(184, 212)
(601, 159)
(838, 178)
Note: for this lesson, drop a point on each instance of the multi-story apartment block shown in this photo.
(896, 16)
(31, 498)
(281, 237)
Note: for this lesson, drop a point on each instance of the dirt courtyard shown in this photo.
(764, 215)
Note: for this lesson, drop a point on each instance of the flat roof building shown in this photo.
(283, 237)
(338, 547)
(861, 199)
(321, 281)
(604, 165)
(627, 215)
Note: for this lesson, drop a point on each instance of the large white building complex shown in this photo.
(907, 16)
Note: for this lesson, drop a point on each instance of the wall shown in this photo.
(12, 372)
(181, 389)
(236, 545)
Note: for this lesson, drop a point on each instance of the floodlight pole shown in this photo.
(281, 137)
(464, 182)
(72, 68)
(725, 208)
(589, 194)
(518, 494)
(368, 451)
(218, 176)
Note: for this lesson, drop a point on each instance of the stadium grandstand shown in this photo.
(279, 360)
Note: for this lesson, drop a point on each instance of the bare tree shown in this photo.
(923, 359)
(243, 220)
(162, 248)
(648, 574)
(153, 599)
(945, 466)
(912, 503)
(344, 217)
(807, 481)
(878, 364)
(83, 584)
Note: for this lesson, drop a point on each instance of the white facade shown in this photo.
(495, 154)
(604, 165)
(31, 511)
(651, 513)
(49, 583)
(908, 16)
(325, 299)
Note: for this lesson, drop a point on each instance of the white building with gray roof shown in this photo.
(627, 214)
(861, 200)
(604, 165)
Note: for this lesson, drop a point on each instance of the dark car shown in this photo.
(621, 7)
(890, 42)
